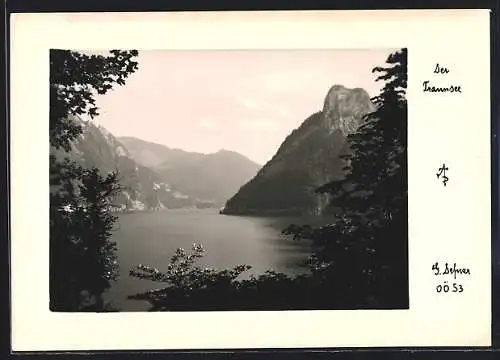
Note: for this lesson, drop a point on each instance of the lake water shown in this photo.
(151, 238)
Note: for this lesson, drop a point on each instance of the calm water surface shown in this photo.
(151, 238)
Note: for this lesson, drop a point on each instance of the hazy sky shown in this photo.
(245, 101)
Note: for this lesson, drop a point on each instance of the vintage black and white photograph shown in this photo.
(228, 180)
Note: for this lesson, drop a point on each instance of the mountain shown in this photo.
(308, 158)
(212, 178)
(143, 188)
(152, 155)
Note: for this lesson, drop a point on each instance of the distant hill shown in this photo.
(212, 178)
(143, 187)
(152, 155)
(308, 158)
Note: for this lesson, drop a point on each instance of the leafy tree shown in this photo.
(364, 253)
(184, 279)
(82, 257)
(75, 79)
(189, 287)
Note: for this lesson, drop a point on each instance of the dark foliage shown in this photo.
(75, 79)
(82, 257)
(187, 287)
(369, 240)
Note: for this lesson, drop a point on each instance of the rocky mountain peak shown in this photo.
(344, 108)
(308, 158)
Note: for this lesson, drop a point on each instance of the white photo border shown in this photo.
(445, 224)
